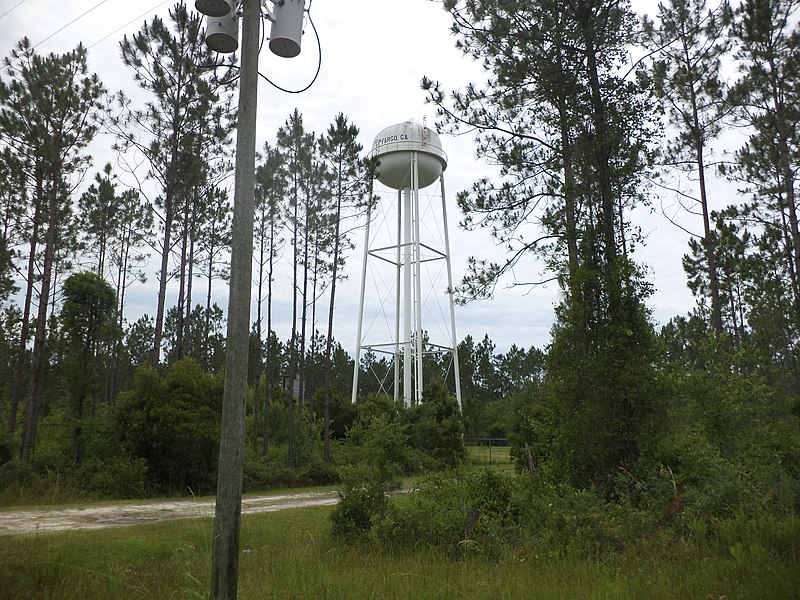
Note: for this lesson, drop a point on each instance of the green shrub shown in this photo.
(8, 448)
(460, 512)
(172, 423)
(560, 520)
(435, 428)
(379, 445)
(434, 515)
(362, 503)
(117, 477)
(494, 514)
(262, 472)
(778, 536)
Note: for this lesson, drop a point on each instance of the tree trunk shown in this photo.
(293, 350)
(571, 231)
(162, 283)
(304, 311)
(791, 207)
(708, 242)
(269, 383)
(169, 215)
(17, 389)
(38, 362)
(602, 153)
(326, 383)
(259, 333)
(190, 273)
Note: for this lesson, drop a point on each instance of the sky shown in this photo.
(373, 55)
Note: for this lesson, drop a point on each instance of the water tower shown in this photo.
(411, 159)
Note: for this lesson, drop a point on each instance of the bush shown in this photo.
(457, 511)
(379, 445)
(362, 503)
(492, 514)
(780, 537)
(118, 477)
(262, 472)
(8, 448)
(393, 440)
(435, 428)
(172, 423)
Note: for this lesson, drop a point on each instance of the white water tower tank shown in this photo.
(394, 146)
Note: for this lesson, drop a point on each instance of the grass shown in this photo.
(288, 555)
(497, 456)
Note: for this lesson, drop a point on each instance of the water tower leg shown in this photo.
(407, 296)
(417, 276)
(397, 298)
(456, 372)
(356, 366)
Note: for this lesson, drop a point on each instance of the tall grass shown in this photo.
(289, 555)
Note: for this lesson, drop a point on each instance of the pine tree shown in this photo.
(296, 147)
(170, 61)
(690, 41)
(48, 115)
(270, 190)
(570, 130)
(340, 148)
(766, 98)
(88, 315)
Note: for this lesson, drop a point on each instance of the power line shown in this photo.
(118, 29)
(12, 8)
(63, 27)
(104, 38)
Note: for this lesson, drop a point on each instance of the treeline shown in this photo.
(583, 136)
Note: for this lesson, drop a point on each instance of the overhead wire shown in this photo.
(118, 29)
(63, 27)
(83, 14)
(216, 65)
(13, 7)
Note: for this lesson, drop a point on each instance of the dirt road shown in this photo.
(27, 521)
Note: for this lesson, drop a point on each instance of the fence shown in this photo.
(488, 449)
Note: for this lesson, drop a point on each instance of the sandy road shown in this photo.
(27, 521)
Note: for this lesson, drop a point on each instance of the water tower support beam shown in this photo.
(450, 293)
(356, 366)
(397, 298)
(407, 363)
(417, 275)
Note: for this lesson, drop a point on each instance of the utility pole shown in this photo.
(228, 511)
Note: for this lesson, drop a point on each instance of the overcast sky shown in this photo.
(374, 53)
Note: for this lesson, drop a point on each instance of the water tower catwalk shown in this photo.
(407, 265)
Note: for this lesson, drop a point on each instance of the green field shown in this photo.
(498, 456)
(289, 555)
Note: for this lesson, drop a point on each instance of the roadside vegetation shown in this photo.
(291, 555)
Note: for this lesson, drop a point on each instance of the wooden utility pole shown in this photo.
(228, 511)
